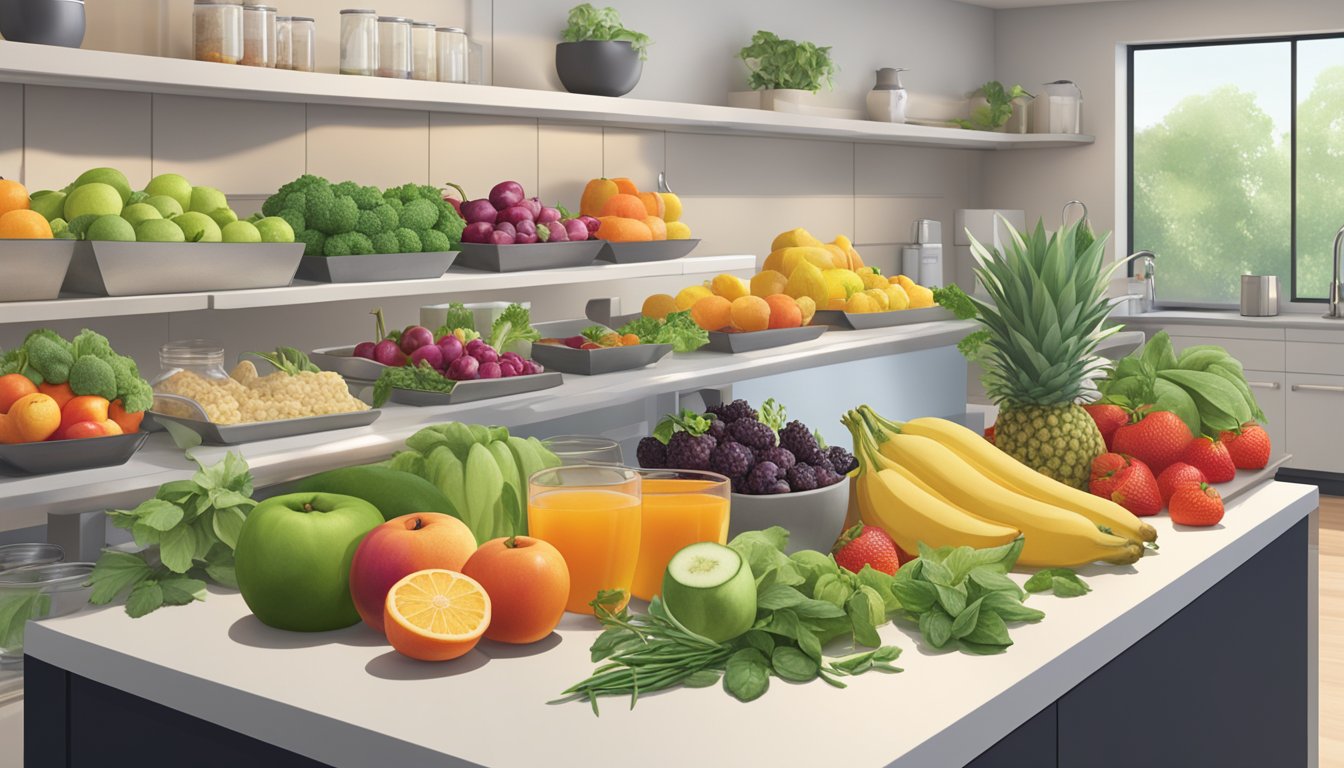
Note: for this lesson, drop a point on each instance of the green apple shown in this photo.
(138, 212)
(240, 232)
(137, 197)
(94, 199)
(293, 559)
(223, 216)
(159, 231)
(198, 227)
(111, 227)
(274, 229)
(168, 207)
(109, 176)
(171, 185)
(48, 203)
(207, 199)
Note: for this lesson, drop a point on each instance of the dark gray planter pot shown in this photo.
(598, 67)
(47, 22)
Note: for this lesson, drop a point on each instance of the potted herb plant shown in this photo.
(786, 70)
(993, 105)
(599, 56)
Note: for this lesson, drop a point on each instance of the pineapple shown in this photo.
(1043, 325)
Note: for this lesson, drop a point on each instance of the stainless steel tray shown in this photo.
(376, 267)
(480, 389)
(1249, 479)
(851, 321)
(70, 455)
(594, 362)
(750, 342)
(134, 269)
(233, 434)
(34, 269)
(342, 360)
(517, 258)
(638, 253)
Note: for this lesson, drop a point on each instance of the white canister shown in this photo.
(887, 101)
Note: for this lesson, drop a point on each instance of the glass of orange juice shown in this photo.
(584, 449)
(591, 514)
(681, 507)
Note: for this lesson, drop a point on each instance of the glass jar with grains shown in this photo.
(217, 32)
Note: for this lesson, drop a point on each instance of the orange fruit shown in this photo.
(436, 614)
(657, 226)
(625, 206)
(110, 427)
(9, 433)
(625, 186)
(768, 282)
(35, 417)
(712, 313)
(13, 196)
(653, 203)
(129, 422)
(595, 194)
(751, 313)
(528, 584)
(728, 286)
(12, 387)
(658, 306)
(630, 340)
(23, 224)
(784, 311)
(61, 393)
(620, 229)
(687, 297)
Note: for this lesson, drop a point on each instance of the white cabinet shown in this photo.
(1315, 421)
(1270, 388)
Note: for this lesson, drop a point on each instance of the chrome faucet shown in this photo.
(1334, 282)
(1145, 267)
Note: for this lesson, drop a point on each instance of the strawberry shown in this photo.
(1108, 418)
(1196, 505)
(1248, 447)
(866, 545)
(989, 434)
(1158, 439)
(1136, 490)
(1176, 476)
(1210, 457)
(1106, 473)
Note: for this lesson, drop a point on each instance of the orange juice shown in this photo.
(597, 532)
(675, 515)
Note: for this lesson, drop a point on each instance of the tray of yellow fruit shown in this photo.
(636, 252)
(736, 319)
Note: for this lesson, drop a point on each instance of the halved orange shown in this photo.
(436, 614)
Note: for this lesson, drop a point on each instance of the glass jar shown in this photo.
(284, 42)
(359, 42)
(453, 50)
(217, 32)
(394, 47)
(424, 59)
(303, 44)
(194, 369)
(259, 36)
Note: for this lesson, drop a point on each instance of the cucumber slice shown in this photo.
(709, 588)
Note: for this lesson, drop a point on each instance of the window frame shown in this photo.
(1292, 41)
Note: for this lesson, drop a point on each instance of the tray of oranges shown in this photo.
(737, 319)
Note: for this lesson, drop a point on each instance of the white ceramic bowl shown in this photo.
(814, 519)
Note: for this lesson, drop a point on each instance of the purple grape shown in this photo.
(522, 239)
(516, 215)
(451, 349)
(490, 371)
(364, 349)
(388, 353)
(415, 337)
(479, 212)
(430, 353)
(534, 205)
(504, 226)
(502, 238)
(486, 355)
(558, 232)
(464, 368)
(546, 215)
(506, 194)
(576, 229)
(478, 232)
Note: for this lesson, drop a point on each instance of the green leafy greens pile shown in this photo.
(604, 24)
(678, 329)
(998, 108)
(776, 62)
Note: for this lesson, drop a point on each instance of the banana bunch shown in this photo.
(934, 481)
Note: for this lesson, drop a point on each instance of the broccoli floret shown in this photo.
(367, 198)
(126, 372)
(408, 241)
(314, 242)
(386, 242)
(369, 224)
(93, 376)
(284, 198)
(405, 193)
(395, 204)
(295, 218)
(345, 188)
(91, 343)
(391, 218)
(419, 214)
(48, 358)
(347, 244)
(319, 201)
(451, 224)
(434, 241)
(138, 397)
(344, 216)
(47, 333)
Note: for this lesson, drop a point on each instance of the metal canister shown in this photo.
(1259, 295)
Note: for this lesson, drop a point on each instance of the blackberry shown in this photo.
(782, 457)
(717, 430)
(738, 409)
(731, 459)
(841, 460)
(752, 434)
(763, 478)
(651, 453)
(800, 441)
(687, 451)
(802, 477)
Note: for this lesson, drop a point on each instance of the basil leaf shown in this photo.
(881, 584)
(1010, 608)
(981, 649)
(145, 598)
(1001, 558)
(746, 675)
(793, 665)
(914, 596)
(861, 620)
(959, 562)
(177, 491)
(833, 589)
(779, 596)
(818, 609)
(937, 573)
(809, 644)
(1065, 587)
(966, 620)
(953, 599)
(16, 610)
(1039, 581)
(760, 640)
(989, 630)
(701, 678)
(936, 626)
(993, 581)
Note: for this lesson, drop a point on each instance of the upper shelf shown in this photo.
(75, 68)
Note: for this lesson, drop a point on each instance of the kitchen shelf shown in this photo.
(75, 68)
(457, 281)
(28, 500)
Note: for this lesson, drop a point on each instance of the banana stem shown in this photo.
(864, 446)
(879, 423)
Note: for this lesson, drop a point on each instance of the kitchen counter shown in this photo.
(1202, 654)
(1308, 321)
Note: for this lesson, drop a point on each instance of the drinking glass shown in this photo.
(585, 449)
(680, 508)
(591, 514)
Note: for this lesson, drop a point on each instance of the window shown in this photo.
(1237, 164)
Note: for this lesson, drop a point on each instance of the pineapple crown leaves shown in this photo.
(1045, 316)
(688, 421)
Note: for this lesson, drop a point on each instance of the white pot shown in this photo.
(814, 519)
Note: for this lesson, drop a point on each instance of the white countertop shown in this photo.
(346, 699)
(1311, 321)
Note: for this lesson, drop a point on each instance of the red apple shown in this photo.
(81, 430)
(400, 547)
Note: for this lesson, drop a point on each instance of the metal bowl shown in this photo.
(46, 22)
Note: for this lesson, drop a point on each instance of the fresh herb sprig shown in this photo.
(953, 298)
(998, 107)
(677, 329)
(587, 22)
(1063, 582)
(422, 378)
(776, 62)
(288, 360)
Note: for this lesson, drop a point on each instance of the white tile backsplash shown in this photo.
(240, 147)
(567, 157)
(69, 130)
(479, 152)
(383, 147)
(636, 155)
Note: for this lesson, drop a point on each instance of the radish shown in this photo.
(415, 337)
(576, 229)
(559, 234)
(506, 194)
(479, 232)
(451, 348)
(517, 215)
(506, 227)
(455, 202)
(547, 214)
(490, 371)
(480, 210)
(502, 238)
(430, 353)
(464, 368)
(591, 223)
(486, 355)
(388, 353)
(364, 349)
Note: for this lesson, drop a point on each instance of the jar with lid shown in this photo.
(424, 50)
(259, 36)
(453, 50)
(194, 369)
(394, 47)
(359, 42)
(217, 32)
(303, 43)
(284, 42)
